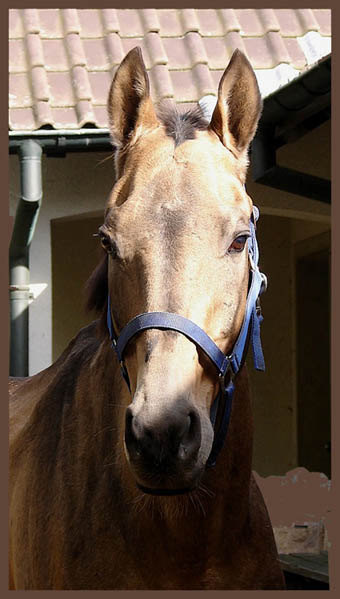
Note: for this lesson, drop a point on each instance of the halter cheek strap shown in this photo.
(227, 366)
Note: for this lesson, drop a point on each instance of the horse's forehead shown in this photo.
(197, 177)
(196, 161)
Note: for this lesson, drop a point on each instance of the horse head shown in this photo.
(176, 229)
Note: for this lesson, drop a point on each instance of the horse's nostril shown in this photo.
(139, 438)
(194, 423)
(176, 437)
(191, 439)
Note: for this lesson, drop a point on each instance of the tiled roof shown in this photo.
(61, 61)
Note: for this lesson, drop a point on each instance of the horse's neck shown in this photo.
(230, 477)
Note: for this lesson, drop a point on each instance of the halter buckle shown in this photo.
(229, 370)
(264, 283)
(253, 266)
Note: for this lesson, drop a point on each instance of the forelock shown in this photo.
(181, 126)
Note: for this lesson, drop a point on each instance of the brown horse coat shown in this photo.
(77, 518)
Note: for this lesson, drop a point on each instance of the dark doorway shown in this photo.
(313, 360)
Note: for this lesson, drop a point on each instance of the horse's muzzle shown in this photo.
(163, 451)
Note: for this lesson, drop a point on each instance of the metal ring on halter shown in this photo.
(264, 283)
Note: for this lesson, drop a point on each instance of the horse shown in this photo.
(131, 455)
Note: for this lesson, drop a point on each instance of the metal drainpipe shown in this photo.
(25, 220)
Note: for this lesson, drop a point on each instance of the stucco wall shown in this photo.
(273, 391)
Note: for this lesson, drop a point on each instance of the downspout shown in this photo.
(30, 146)
(25, 221)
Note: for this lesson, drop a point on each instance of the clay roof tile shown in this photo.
(61, 61)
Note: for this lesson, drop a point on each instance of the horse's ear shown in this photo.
(129, 103)
(239, 105)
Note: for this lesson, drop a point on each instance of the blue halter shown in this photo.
(227, 366)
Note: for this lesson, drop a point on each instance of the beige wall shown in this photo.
(273, 391)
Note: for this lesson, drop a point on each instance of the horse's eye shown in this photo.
(107, 243)
(238, 243)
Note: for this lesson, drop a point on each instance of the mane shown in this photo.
(181, 126)
(96, 291)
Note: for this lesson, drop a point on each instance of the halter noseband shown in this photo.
(227, 366)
